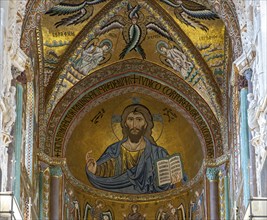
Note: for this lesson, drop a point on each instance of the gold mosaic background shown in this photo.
(176, 135)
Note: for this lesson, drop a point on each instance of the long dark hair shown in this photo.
(146, 114)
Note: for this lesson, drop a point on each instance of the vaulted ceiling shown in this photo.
(203, 42)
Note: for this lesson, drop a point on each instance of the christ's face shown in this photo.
(136, 125)
(135, 121)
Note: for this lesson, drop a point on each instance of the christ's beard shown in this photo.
(136, 135)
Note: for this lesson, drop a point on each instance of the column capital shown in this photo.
(242, 82)
(22, 78)
(212, 173)
(245, 61)
(248, 74)
(55, 171)
(19, 59)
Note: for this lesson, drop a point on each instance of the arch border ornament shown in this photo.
(121, 76)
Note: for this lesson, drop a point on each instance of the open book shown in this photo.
(168, 167)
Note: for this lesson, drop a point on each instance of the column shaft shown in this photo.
(244, 141)
(214, 200)
(56, 194)
(18, 140)
(212, 176)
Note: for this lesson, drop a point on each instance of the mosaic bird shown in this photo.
(190, 12)
(81, 12)
(134, 30)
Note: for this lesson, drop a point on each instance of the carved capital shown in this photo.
(212, 173)
(22, 78)
(19, 59)
(245, 61)
(56, 171)
(242, 82)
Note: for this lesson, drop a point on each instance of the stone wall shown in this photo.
(252, 20)
(11, 15)
(255, 41)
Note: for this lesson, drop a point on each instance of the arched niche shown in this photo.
(87, 118)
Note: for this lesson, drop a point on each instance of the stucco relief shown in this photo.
(12, 55)
(16, 57)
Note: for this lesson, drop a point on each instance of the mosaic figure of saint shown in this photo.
(173, 57)
(97, 212)
(196, 207)
(128, 166)
(91, 57)
(134, 214)
(171, 213)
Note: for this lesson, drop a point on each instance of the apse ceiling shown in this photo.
(184, 37)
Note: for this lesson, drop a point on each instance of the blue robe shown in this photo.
(141, 178)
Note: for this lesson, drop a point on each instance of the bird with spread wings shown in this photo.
(78, 12)
(190, 13)
(134, 29)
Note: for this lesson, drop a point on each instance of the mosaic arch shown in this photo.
(113, 79)
(96, 108)
(181, 121)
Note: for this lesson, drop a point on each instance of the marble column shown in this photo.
(224, 172)
(18, 129)
(212, 176)
(244, 139)
(18, 140)
(56, 193)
